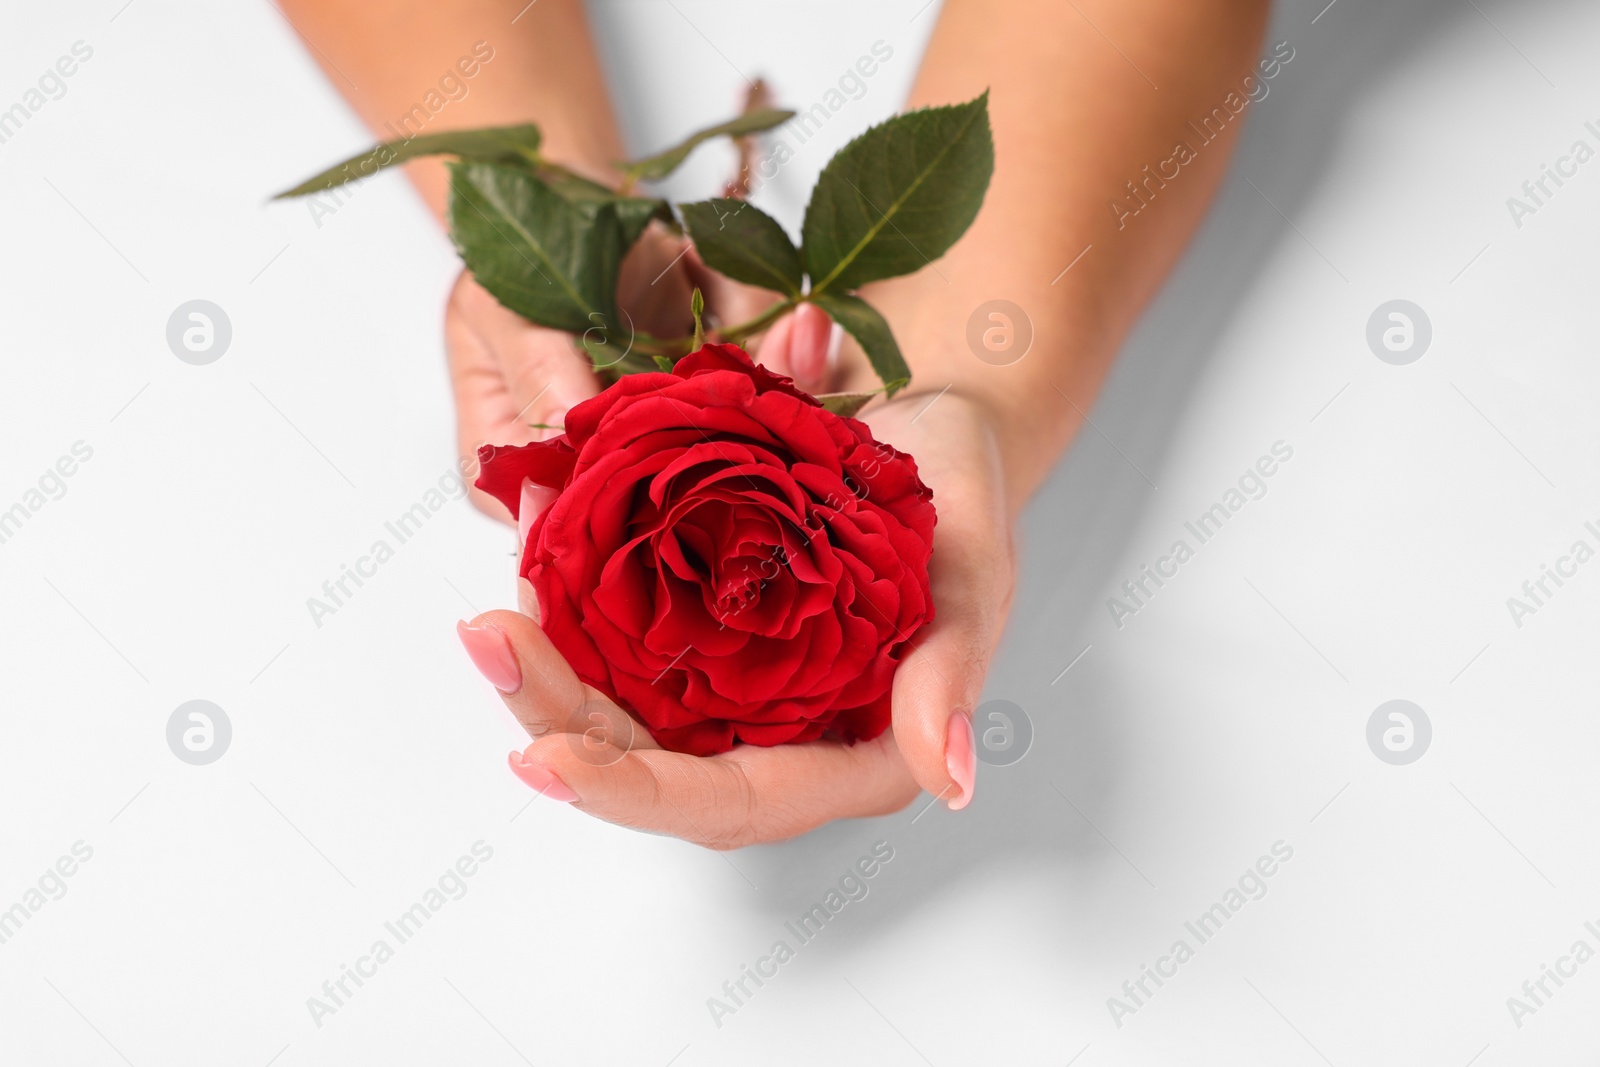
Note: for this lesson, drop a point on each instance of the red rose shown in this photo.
(726, 558)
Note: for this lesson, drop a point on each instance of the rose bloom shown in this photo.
(725, 558)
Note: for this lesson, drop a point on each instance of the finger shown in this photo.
(527, 599)
(535, 498)
(938, 685)
(539, 686)
(773, 351)
(484, 412)
(653, 284)
(541, 371)
(809, 346)
(586, 750)
(545, 375)
(804, 345)
(742, 797)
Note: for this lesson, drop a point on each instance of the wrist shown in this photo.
(1031, 365)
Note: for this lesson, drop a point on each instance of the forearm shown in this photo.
(1075, 118)
(387, 58)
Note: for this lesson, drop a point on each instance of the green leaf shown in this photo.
(745, 243)
(848, 403)
(501, 144)
(633, 212)
(664, 163)
(542, 257)
(897, 197)
(862, 321)
(613, 356)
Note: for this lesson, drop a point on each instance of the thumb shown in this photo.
(935, 692)
(939, 684)
(801, 345)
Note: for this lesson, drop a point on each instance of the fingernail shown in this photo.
(961, 758)
(809, 346)
(774, 350)
(490, 651)
(526, 510)
(541, 778)
(535, 498)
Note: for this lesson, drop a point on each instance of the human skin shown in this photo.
(1083, 95)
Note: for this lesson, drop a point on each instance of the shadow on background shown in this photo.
(1076, 529)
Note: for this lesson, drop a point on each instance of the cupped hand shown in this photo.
(588, 752)
(514, 382)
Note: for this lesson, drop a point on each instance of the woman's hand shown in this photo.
(513, 379)
(588, 752)
(514, 382)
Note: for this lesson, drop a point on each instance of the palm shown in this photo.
(760, 794)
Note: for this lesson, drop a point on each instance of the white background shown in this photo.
(1228, 715)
